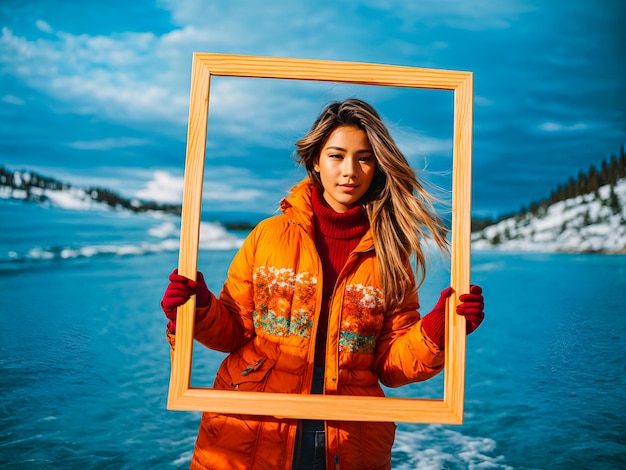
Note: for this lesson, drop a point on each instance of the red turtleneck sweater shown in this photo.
(336, 236)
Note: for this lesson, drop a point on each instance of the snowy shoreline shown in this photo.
(590, 223)
(585, 224)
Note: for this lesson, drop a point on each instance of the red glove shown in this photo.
(179, 291)
(471, 307)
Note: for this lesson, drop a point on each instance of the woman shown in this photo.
(322, 299)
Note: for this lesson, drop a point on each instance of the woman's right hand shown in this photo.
(179, 291)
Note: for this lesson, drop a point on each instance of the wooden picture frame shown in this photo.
(324, 407)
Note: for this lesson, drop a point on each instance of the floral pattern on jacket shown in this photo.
(362, 319)
(284, 301)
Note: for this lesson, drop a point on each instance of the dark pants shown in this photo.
(310, 451)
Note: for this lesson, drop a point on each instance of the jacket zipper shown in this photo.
(349, 261)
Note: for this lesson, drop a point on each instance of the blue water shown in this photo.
(84, 366)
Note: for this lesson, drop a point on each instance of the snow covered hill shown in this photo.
(29, 186)
(593, 223)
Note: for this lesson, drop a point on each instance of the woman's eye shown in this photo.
(335, 156)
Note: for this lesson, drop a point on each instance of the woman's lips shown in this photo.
(348, 188)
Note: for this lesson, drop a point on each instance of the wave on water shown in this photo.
(435, 447)
(164, 237)
(213, 236)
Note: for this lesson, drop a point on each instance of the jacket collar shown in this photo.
(297, 206)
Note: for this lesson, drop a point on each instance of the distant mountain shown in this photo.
(591, 223)
(32, 187)
(29, 186)
(586, 214)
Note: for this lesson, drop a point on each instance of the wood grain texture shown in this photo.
(454, 383)
(180, 377)
(332, 71)
(449, 410)
(325, 407)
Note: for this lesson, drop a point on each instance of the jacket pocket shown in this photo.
(238, 374)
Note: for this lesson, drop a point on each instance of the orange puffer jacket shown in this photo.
(266, 317)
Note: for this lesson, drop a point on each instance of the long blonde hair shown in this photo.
(400, 211)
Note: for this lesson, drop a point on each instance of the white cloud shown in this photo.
(116, 77)
(163, 187)
(550, 126)
(108, 144)
(227, 192)
(142, 78)
(476, 15)
(480, 100)
(43, 26)
(417, 147)
(11, 99)
(222, 185)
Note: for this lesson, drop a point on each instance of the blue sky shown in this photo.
(97, 93)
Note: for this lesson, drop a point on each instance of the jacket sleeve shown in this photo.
(404, 353)
(226, 323)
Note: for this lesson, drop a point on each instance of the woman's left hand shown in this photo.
(472, 307)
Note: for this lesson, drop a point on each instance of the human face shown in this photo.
(346, 166)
